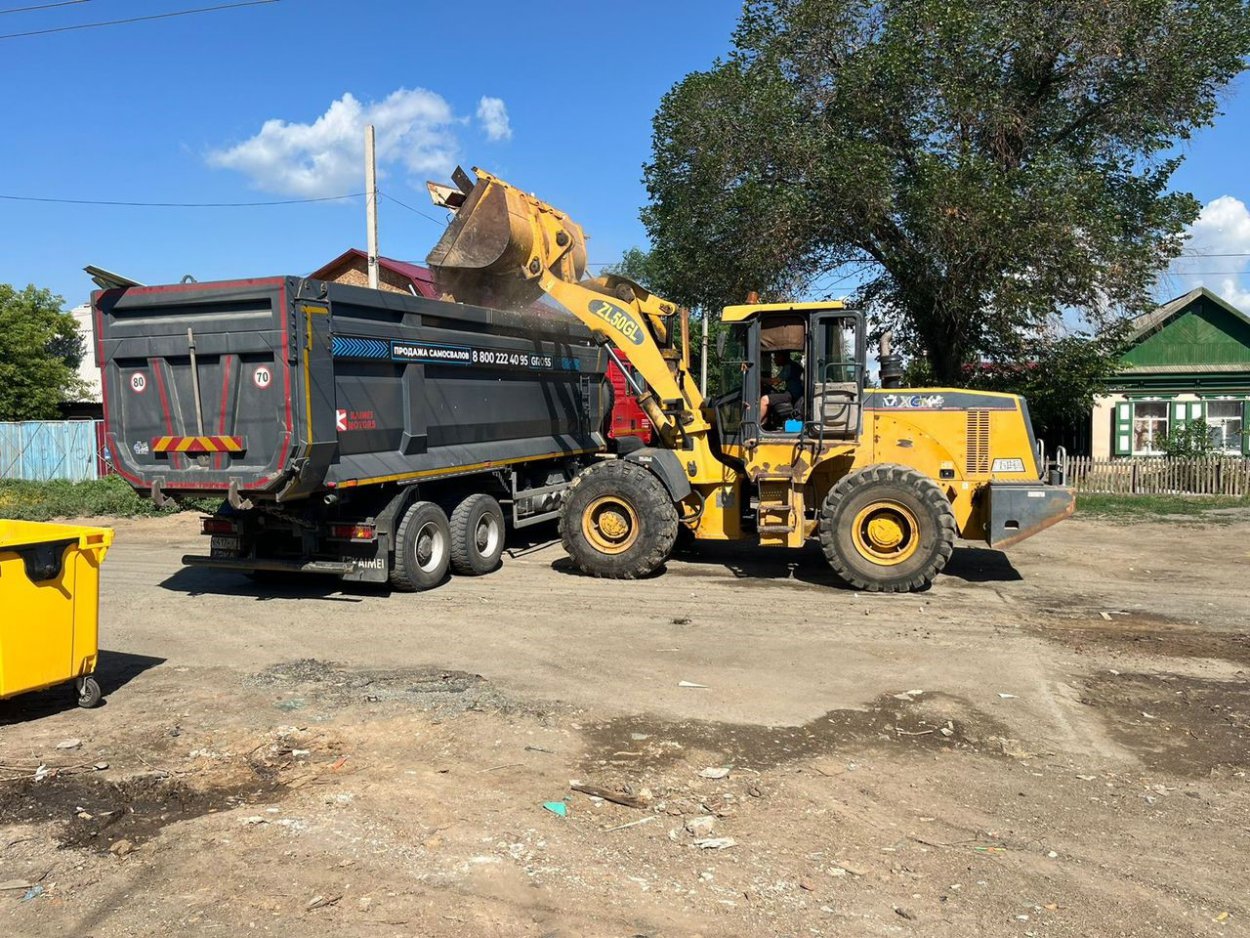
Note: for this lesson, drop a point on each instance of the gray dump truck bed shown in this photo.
(285, 387)
(370, 435)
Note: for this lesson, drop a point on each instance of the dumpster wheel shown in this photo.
(89, 693)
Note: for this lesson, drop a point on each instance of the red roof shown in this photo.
(420, 277)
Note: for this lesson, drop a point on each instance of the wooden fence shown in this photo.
(1213, 475)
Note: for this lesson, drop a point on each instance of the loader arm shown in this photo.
(507, 248)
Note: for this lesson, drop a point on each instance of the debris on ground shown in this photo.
(627, 800)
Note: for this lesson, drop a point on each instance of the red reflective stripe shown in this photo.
(159, 375)
(226, 360)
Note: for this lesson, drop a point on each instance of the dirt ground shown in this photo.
(1052, 742)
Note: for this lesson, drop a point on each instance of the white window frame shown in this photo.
(1233, 448)
(1156, 438)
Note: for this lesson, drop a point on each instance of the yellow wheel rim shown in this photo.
(610, 524)
(886, 532)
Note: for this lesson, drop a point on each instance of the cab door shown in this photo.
(736, 419)
(836, 375)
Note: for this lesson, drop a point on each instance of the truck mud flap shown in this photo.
(1020, 510)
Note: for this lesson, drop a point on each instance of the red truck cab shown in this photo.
(628, 419)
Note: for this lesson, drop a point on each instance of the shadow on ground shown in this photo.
(807, 565)
(114, 670)
(200, 581)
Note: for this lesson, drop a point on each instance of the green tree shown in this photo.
(983, 164)
(1059, 377)
(40, 350)
(646, 270)
(1189, 439)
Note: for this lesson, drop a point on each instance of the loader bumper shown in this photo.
(1018, 510)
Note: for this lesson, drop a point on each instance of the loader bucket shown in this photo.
(500, 242)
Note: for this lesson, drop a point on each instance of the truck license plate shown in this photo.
(224, 544)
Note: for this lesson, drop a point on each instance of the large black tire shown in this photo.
(887, 529)
(477, 535)
(619, 521)
(422, 548)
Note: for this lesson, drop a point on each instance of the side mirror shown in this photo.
(721, 341)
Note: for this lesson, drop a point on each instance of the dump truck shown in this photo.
(796, 449)
(375, 436)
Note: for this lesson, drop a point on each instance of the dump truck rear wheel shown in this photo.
(887, 529)
(477, 534)
(422, 548)
(619, 521)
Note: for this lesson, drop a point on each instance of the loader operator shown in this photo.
(788, 382)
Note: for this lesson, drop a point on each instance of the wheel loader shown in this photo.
(796, 447)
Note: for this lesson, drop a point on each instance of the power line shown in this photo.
(415, 211)
(43, 6)
(137, 19)
(31, 198)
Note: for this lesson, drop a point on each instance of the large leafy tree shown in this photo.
(40, 350)
(991, 164)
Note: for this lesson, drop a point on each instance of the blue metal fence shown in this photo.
(40, 450)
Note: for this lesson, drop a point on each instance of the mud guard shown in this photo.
(667, 468)
(1018, 510)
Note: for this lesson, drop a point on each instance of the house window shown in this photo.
(1224, 423)
(1150, 427)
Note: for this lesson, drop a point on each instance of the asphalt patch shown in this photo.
(1183, 725)
(93, 813)
(439, 689)
(649, 742)
(1145, 634)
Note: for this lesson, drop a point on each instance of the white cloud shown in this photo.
(493, 115)
(1223, 227)
(415, 130)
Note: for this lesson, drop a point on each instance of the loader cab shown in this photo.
(824, 341)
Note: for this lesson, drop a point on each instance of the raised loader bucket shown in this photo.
(500, 242)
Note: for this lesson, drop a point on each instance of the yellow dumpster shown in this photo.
(50, 606)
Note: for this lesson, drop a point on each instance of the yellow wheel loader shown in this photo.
(795, 447)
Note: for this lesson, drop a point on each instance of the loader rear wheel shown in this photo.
(477, 533)
(887, 529)
(422, 548)
(619, 521)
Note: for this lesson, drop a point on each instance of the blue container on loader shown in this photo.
(371, 435)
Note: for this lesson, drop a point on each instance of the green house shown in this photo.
(1188, 360)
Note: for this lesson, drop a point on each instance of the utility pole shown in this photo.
(371, 204)
(703, 359)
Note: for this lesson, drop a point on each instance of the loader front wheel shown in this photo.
(422, 549)
(619, 521)
(887, 529)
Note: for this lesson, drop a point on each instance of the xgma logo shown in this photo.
(618, 319)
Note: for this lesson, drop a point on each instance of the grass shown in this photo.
(1134, 508)
(108, 497)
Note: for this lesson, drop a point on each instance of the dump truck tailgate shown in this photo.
(241, 431)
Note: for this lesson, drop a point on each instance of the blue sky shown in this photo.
(134, 112)
(174, 111)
